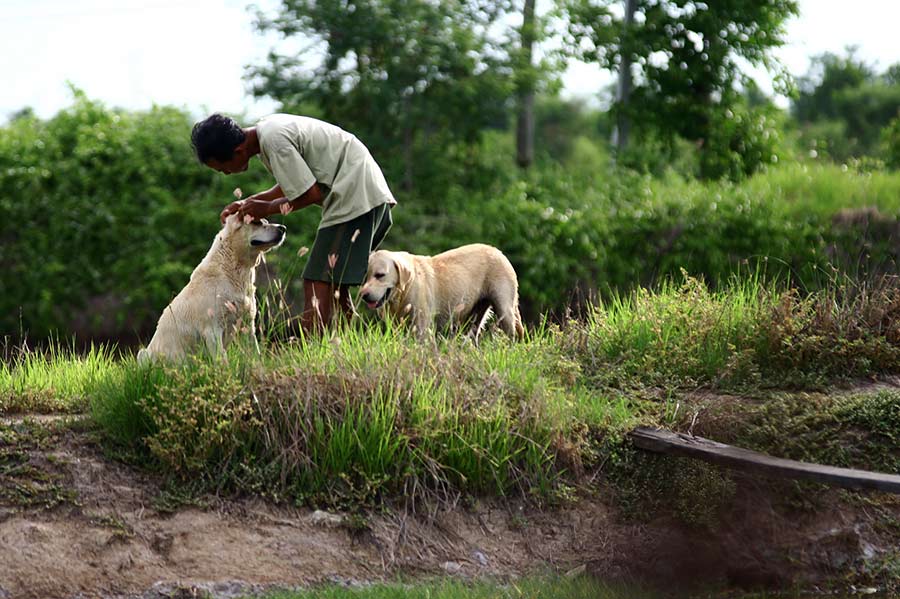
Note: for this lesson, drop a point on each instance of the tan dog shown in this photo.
(453, 287)
(221, 295)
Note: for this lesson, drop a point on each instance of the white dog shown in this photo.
(221, 295)
(453, 287)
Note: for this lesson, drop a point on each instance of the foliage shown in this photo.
(686, 56)
(572, 230)
(562, 124)
(741, 142)
(843, 106)
(107, 213)
(890, 137)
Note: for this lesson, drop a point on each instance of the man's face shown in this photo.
(236, 164)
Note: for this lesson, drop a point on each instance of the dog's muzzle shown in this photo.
(374, 305)
(279, 237)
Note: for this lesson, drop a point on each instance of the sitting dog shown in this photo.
(453, 287)
(221, 295)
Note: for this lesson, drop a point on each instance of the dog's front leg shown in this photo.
(422, 321)
(215, 345)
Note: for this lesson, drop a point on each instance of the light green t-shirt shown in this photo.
(300, 151)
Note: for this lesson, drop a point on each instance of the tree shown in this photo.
(411, 78)
(843, 104)
(685, 56)
(623, 89)
(525, 85)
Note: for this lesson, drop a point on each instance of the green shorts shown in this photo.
(340, 255)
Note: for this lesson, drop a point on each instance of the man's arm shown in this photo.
(312, 196)
(257, 207)
(268, 195)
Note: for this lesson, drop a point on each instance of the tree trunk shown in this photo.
(623, 89)
(525, 121)
(407, 183)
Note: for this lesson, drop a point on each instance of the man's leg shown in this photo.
(345, 302)
(317, 301)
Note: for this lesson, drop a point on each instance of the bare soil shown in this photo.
(75, 523)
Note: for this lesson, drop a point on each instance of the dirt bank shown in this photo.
(75, 523)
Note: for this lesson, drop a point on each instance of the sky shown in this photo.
(193, 53)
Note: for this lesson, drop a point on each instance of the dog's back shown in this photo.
(477, 277)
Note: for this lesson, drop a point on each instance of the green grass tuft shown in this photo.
(532, 588)
(55, 379)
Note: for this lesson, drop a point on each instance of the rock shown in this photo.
(323, 518)
(480, 557)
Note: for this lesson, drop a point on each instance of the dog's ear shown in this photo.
(404, 270)
(233, 221)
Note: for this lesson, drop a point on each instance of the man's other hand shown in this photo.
(230, 209)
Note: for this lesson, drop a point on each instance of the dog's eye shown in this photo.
(379, 275)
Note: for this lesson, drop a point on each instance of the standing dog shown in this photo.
(221, 295)
(453, 287)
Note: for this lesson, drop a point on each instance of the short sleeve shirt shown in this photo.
(300, 151)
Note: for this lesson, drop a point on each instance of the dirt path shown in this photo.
(74, 523)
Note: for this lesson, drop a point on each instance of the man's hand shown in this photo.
(230, 209)
(257, 209)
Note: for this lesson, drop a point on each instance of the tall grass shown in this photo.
(56, 378)
(361, 412)
(747, 332)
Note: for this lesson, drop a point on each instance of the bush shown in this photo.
(127, 213)
(122, 213)
(890, 138)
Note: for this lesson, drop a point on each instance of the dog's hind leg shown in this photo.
(505, 302)
(481, 313)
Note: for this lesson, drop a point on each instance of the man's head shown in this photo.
(221, 144)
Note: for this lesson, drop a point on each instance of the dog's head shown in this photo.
(387, 271)
(255, 236)
(250, 239)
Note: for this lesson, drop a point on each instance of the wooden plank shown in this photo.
(668, 442)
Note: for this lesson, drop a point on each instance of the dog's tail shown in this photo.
(519, 328)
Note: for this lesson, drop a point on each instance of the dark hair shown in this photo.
(216, 137)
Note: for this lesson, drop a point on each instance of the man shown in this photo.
(313, 162)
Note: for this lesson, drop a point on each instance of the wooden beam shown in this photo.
(663, 441)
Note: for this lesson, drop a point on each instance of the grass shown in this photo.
(748, 333)
(532, 588)
(368, 412)
(55, 379)
(29, 483)
(359, 414)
